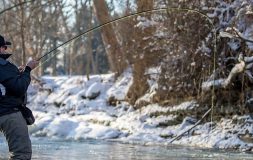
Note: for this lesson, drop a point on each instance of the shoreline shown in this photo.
(62, 109)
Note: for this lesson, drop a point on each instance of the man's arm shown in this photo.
(17, 85)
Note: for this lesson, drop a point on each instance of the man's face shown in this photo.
(3, 50)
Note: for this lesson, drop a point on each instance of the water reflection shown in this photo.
(46, 149)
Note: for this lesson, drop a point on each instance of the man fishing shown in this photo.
(14, 83)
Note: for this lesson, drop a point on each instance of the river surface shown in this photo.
(48, 149)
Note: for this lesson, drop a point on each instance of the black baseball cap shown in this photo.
(3, 42)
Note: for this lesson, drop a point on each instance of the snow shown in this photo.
(184, 106)
(144, 22)
(78, 117)
(207, 85)
(94, 90)
(248, 33)
(120, 89)
(234, 45)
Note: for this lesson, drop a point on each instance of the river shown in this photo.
(52, 149)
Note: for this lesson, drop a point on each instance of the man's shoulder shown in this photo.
(7, 68)
(3, 62)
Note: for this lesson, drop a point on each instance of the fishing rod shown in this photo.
(128, 16)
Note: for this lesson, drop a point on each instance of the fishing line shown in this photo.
(51, 56)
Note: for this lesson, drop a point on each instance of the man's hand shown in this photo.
(32, 64)
(21, 68)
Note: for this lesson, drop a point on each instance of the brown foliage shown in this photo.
(182, 65)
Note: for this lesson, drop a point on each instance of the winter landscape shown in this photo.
(161, 74)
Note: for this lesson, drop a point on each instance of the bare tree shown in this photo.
(113, 49)
(22, 32)
(141, 56)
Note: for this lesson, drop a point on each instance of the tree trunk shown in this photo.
(142, 57)
(22, 32)
(89, 49)
(143, 5)
(54, 63)
(113, 49)
(70, 59)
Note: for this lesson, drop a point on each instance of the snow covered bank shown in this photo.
(75, 108)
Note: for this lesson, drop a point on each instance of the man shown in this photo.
(14, 83)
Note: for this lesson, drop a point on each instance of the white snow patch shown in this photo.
(121, 87)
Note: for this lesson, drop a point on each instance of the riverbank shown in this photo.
(77, 108)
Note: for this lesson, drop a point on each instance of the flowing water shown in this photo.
(48, 149)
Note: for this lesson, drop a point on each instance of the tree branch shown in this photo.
(223, 83)
(197, 123)
(239, 35)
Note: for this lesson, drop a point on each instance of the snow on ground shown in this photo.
(77, 108)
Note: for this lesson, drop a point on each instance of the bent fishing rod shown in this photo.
(128, 16)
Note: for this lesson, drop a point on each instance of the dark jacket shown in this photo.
(15, 84)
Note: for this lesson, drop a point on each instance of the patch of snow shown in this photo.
(144, 22)
(121, 87)
(184, 106)
(94, 90)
